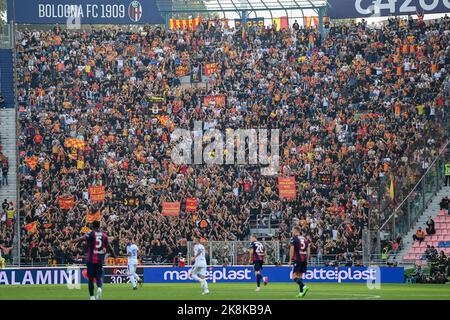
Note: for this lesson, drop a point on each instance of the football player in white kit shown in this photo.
(132, 253)
(198, 270)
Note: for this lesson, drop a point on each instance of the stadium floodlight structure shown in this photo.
(243, 8)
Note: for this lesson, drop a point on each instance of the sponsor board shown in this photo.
(41, 276)
(344, 9)
(73, 275)
(118, 275)
(277, 274)
(84, 12)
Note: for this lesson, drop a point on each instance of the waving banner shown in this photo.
(344, 9)
(66, 202)
(219, 100)
(97, 216)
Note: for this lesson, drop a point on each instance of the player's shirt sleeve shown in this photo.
(88, 237)
(292, 241)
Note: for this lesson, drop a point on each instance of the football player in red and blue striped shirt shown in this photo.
(256, 257)
(300, 253)
(97, 244)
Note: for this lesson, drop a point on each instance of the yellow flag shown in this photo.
(391, 189)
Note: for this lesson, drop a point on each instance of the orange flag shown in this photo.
(66, 202)
(31, 227)
(93, 217)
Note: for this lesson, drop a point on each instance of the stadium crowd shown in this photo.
(357, 106)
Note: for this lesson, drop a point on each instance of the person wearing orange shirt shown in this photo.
(419, 236)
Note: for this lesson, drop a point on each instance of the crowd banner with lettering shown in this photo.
(171, 209)
(66, 202)
(182, 71)
(344, 9)
(191, 204)
(185, 24)
(252, 22)
(97, 193)
(131, 201)
(79, 12)
(210, 68)
(157, 105)
(286, 187)
(219, 100)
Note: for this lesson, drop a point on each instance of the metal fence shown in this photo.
(405, 215)
(236, 253)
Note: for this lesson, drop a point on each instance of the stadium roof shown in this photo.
(186, 6)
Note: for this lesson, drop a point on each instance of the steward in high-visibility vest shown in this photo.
(384, 254)
(447, 174)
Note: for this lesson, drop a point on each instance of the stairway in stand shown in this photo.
(8, 141)
(415, 251)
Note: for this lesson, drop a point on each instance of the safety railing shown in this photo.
(406, 214)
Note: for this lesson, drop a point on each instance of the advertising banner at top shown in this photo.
(344, 9)
(78, 12)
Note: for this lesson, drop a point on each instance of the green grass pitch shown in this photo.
(233, 291)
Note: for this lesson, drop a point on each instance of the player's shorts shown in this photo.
(199, 270)
(300, 266)
(132, 268)
(258, 265)
(94, 270)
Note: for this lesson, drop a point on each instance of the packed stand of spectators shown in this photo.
(7, 230)
(361, 104)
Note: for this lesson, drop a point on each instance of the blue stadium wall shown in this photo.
(7, 77)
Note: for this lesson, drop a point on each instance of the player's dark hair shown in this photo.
(96, 224)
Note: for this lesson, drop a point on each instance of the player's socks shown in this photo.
(99, 293)
(133, 281)
(99, 283)
(266, 280)
(300, 284)
(204, 285)
(91, 287)
(258, 280)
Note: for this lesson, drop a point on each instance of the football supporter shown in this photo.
(353, 109)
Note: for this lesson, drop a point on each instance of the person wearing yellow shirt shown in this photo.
(421, 109)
